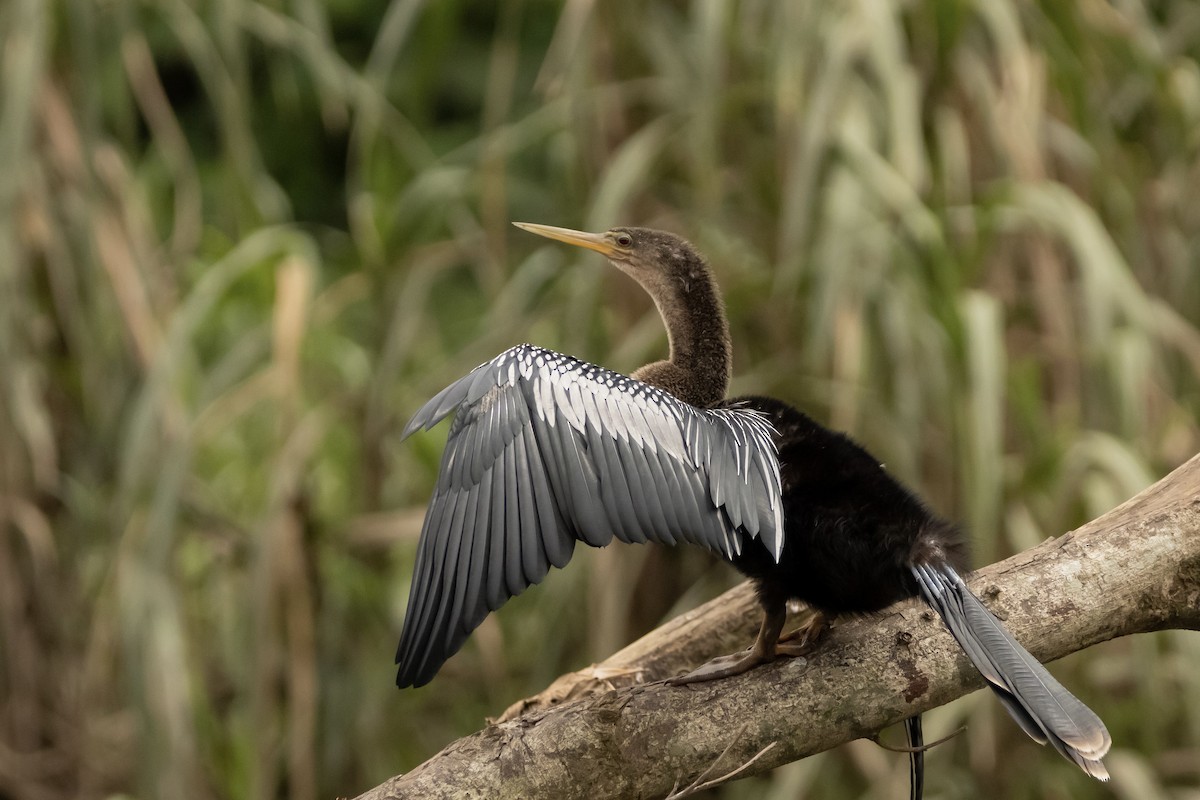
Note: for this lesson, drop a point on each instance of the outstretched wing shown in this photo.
(547, 450)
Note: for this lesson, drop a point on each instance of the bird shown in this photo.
(546, 450)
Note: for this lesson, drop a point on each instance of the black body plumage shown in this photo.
(851, 530)
(856, 540)
(546, 450)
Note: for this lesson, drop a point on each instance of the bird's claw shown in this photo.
(803, 640)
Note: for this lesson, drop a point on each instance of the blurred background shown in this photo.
(242, 240)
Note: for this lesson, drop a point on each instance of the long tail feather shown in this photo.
(1040, 704)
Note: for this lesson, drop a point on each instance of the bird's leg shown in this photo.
(764, 649)
(803, 639)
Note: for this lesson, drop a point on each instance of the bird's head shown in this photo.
(665, 264)
(686, 295)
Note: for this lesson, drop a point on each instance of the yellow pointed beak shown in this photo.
(592, 241)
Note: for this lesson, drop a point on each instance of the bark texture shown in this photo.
(1134, 570)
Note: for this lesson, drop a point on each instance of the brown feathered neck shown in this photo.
(687, 297)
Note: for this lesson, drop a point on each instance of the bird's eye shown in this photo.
(624, 239)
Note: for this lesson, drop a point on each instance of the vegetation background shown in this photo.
(241, 240)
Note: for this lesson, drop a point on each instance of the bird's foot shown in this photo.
(803, 640)
(722, 667)
(767, 647)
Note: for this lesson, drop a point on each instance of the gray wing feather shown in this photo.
(556, 541)
(533, 556)
(717, 482)
(468, 560)
(496, 591)
(546, 450)
(616, 496)
(674, 512)
(514, 578)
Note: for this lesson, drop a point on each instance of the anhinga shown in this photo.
(546, 450)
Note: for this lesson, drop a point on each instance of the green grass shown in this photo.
(241, 241)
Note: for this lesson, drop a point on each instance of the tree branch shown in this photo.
(1136, 569)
